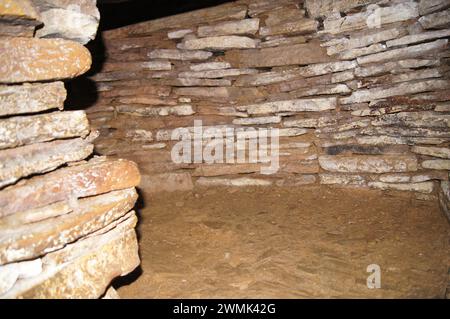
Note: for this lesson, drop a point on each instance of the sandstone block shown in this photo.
(245, 27)
(31, 98)
(368, 164)
(89, 215)
(220, 43)
(31, 59)
(23, 130)
(36, 158)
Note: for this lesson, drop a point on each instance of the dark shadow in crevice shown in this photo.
(116, 15)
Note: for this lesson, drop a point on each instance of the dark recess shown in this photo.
(115, 15)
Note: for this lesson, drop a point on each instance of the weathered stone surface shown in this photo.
(426, 135)
(180, 110)
(436, 20)
(40, 158)
(257, 120)
(442, 152)
(86, 267)
(156, 90)
(242, 95)
(414, 119)
(259, 7)
(301, 105)
(425, 187)
(404, 77)
(228, 11)
(159, 65)
(296, 181)
(405, 53)
(444, 198)
(11, 30)
(297, 83)
(393, 67)
(226, 169)
(23, 130)
(358, 41)
(373, 17)
(220, 92)
(398, 89)
(34, 215)
(211, 74)
(10, 273)
(340, 179)
(368, 164)
(19, 12)
(326, 7)
(178, 34)
(68, 19)
(282, 41)
(167, 182)
(321, 90)
(324, 68)
(303, 54)
(199, 82)
(267, 77)
(210, 66)
(97, 176)
(88, 215)
(31, 98)
(436, 164)
(354, 53)
(420, 37)
(414, 178)
(288, 12)
(220, 43)
(430, 6)
(29, 59)
(144, 99)
(246, 26)
(302, 26)
(174, 54)
(239, 182)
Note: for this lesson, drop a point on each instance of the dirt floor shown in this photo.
(289, 243)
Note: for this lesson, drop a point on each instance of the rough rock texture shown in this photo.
(66, 225)
(28, 59)
(365, 83)
(31, 98)
(68, 19)
(84, 269)
(23, 130)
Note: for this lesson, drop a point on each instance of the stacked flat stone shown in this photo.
(359, 89)
(66, 217)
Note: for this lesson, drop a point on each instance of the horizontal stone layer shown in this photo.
(246, 27)
(31, 98)
(98, 176)
(31, 59)
(368, 164)
(301, 105)
(37, 158)
(86, 267)
(23, 130)
(87, 216)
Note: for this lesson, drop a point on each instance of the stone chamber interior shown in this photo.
(93, 203)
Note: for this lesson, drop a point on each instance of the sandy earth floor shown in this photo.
(289, 243)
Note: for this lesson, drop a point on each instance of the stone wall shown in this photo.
(359, 91)
(66, 216)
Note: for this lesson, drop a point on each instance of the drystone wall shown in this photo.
(359, 90)
(66, 216)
